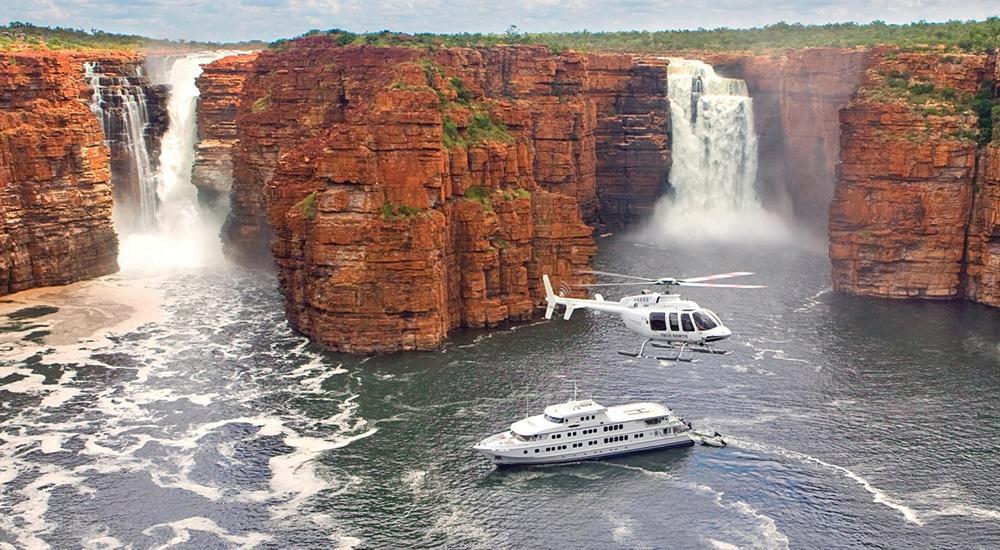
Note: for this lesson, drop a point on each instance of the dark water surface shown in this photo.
(852, 422)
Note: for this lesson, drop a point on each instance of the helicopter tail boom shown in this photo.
(572, 304)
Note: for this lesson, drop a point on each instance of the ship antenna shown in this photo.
(574, 390)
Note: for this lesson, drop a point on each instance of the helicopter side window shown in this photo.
(686, 322)
(704, 322)
(658, 321)
(674, 324)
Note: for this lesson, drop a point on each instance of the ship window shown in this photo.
(555, 419)
(658, 321)
(686, 323)
(525, 452)
(536, 450)
(704, 322)
(674, 326)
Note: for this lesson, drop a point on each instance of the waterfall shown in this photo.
(119, 102)
(182, 235)
(714, 160)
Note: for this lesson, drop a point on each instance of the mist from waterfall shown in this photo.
(714, 161)
(184, 234)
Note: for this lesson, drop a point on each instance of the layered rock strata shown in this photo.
(220, 84)
(633, 134)
(412, 192)
(982, 268)
(904, 197)
(55, 177)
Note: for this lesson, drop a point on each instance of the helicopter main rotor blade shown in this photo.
(608, 273)
(715, 277)
(613, 284)
(719, 285)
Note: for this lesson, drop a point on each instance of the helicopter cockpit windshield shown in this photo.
(706, 320)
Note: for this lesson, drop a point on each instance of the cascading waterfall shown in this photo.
(179, 233)
(714, 166)
(120, 104)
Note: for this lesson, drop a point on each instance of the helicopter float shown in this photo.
(664, 319)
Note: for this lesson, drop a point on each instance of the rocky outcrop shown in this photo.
(415, 192)
(220, 85)
(133, 114)
(904, 194)
(633, 134)
(55, 178)
(982, 269)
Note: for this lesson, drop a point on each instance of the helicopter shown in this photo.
(664, 319)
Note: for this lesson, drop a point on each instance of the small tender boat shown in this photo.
(585, 429)
(712, 440)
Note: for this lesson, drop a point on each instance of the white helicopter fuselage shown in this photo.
(655, 316)
(667, 317)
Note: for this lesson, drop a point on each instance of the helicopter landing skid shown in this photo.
(678, 357)
(696, 348)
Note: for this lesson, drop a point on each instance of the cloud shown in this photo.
(225, 20)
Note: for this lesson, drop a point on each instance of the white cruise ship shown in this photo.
(585, 429)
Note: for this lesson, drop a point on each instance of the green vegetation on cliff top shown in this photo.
(18, 35)
(953, 35)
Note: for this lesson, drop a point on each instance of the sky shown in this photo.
(234, 20)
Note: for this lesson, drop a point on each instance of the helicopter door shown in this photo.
(658, 321)
(674, 323)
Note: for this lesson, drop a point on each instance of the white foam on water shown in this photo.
(457, 522)
(100, 540)
(26, 519)
(768, 528)
(181, 530)
(721, 545)
(778, 354)
(771, 536)
(622, 529)
(879, 496)
(813, 301)
(414, 480)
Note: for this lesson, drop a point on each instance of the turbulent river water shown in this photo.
(176, 407)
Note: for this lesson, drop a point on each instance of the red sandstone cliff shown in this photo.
(982, 268)
(904, 195)
(633, 134)
(55, 190)
(411, 193)
(220, 85)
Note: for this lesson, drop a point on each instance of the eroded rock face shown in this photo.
(403, 187)
(55, 178)
(982, 268)
(220, 85)
(904, 194)
(633, 134)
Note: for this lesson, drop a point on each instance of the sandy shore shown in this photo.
(88, 311)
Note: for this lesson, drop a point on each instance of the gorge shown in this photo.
(409, 193)
(242, 240)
